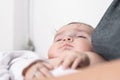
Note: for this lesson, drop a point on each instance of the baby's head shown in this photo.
(74, 36)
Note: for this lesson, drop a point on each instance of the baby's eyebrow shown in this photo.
(82, 31)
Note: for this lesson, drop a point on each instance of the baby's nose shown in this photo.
(68, 38)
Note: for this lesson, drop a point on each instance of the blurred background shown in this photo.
(31, 24)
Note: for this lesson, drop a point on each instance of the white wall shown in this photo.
(21, 24)
(49, 15)
(6, 24)
(13, 24)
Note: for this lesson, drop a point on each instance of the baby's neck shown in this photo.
(54, 62)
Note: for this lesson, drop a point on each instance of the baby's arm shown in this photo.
(19, 61)
(38, 68)
(13, 62)
(93, 59)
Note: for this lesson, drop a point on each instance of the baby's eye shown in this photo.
(58, 40)
(81, 36)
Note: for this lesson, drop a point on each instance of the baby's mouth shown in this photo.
(67, 47)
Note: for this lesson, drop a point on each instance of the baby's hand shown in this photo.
(37, 70)
(73, 59)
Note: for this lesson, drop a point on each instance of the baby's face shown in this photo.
(74, 37)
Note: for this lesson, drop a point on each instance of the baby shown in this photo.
(71, 49)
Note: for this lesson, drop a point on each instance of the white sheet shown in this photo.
(60, 71)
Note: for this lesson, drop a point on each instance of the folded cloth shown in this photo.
(60, 71)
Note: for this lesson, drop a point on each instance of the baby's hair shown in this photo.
(80, 24)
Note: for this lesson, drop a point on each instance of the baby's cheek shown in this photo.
(84, 47)
(52, 53)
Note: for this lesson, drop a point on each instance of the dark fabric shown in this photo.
(106, 36)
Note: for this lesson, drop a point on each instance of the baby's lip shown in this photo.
(66, 46)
